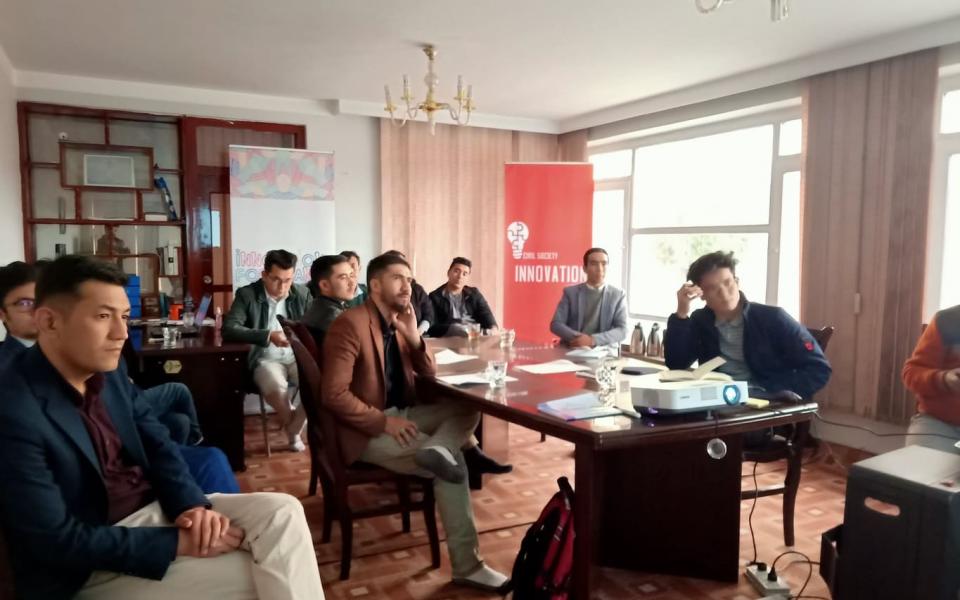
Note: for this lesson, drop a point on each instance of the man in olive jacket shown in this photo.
(253, 320)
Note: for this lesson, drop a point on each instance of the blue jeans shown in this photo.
(210, 469)
(172, 403)
(933, 433)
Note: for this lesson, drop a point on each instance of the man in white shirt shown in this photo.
(593, 313)
(253, 320)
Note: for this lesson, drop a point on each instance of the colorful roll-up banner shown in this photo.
(280, 198)
(548, 210)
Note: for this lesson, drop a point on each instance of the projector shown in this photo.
(647, 391)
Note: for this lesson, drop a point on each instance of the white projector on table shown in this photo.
(647, 391)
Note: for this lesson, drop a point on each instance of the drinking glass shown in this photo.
(473, 331)
(496, 373)
(507, 336)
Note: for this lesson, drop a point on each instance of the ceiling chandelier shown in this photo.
(460, 108)
(779, 9)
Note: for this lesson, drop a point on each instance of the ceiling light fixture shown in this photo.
(779, 9)
(460, 110)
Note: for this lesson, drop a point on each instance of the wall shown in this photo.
(354, 140)
(11, 223)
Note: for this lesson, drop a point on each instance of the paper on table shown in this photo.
(554, 366)
(579, 406)
(469, 379)
(449, 357)
(598, 352)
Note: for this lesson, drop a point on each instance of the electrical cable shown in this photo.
(756, 496)
(872, 432)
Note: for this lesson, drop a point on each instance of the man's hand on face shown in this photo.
(405, 322)
(685, 296)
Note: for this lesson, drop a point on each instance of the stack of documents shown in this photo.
(470, 379)
(554, 366)
(580, 406)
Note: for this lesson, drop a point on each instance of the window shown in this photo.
(731, 185)
(942, 286)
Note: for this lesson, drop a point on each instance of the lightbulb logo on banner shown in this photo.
(549, 215)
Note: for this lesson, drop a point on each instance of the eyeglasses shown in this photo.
(23, 304)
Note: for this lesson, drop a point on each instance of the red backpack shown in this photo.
(543, 567)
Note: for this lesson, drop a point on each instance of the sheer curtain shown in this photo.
(869, 142)
(442, 195)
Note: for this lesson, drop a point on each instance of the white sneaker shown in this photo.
(484, 578)
(296, 444)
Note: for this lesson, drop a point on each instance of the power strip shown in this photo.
(760, 582)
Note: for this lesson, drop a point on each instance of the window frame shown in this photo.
(780, 165)
(946, 145)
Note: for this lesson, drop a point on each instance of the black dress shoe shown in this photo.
(478, 463)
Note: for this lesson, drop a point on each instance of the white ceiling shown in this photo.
(543, 59)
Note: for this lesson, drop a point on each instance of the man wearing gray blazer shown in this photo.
(592, 313)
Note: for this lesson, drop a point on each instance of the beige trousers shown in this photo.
(276, 560)
(450, 425)
(273, 379)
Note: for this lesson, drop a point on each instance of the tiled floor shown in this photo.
(390, 564)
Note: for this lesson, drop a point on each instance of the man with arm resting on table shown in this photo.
(456, 304)
(592, 313)
(762, 344)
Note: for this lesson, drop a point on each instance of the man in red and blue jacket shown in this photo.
(762, 344)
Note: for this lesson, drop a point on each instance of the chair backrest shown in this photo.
(311, 380)
(822, 335)
(307, 339)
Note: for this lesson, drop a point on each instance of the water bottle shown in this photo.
(654, 345)
(188, 303)
(218, 317)
(638, 343)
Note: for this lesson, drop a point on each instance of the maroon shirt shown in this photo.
(127, 489)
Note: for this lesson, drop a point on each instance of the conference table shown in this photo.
(648, 496)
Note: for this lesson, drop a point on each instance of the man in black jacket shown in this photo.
(457, 305)
(336, 282)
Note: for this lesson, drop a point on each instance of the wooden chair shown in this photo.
(336, 476)
(789, 448)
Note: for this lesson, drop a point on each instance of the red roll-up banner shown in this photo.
(549, 224)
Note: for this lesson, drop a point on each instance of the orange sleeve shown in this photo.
(923, 373)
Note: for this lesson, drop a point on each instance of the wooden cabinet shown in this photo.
(90, 186)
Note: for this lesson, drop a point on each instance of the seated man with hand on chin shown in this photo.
(371, 356)
(762, 345)
(96, 499)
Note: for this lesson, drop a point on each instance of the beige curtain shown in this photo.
(442, 196)
(869, 143)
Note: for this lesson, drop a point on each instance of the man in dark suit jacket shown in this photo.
(96, 498)
(456, 304)
(253, 320)
(371, 356)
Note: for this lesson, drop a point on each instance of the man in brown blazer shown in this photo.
(371, 355)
